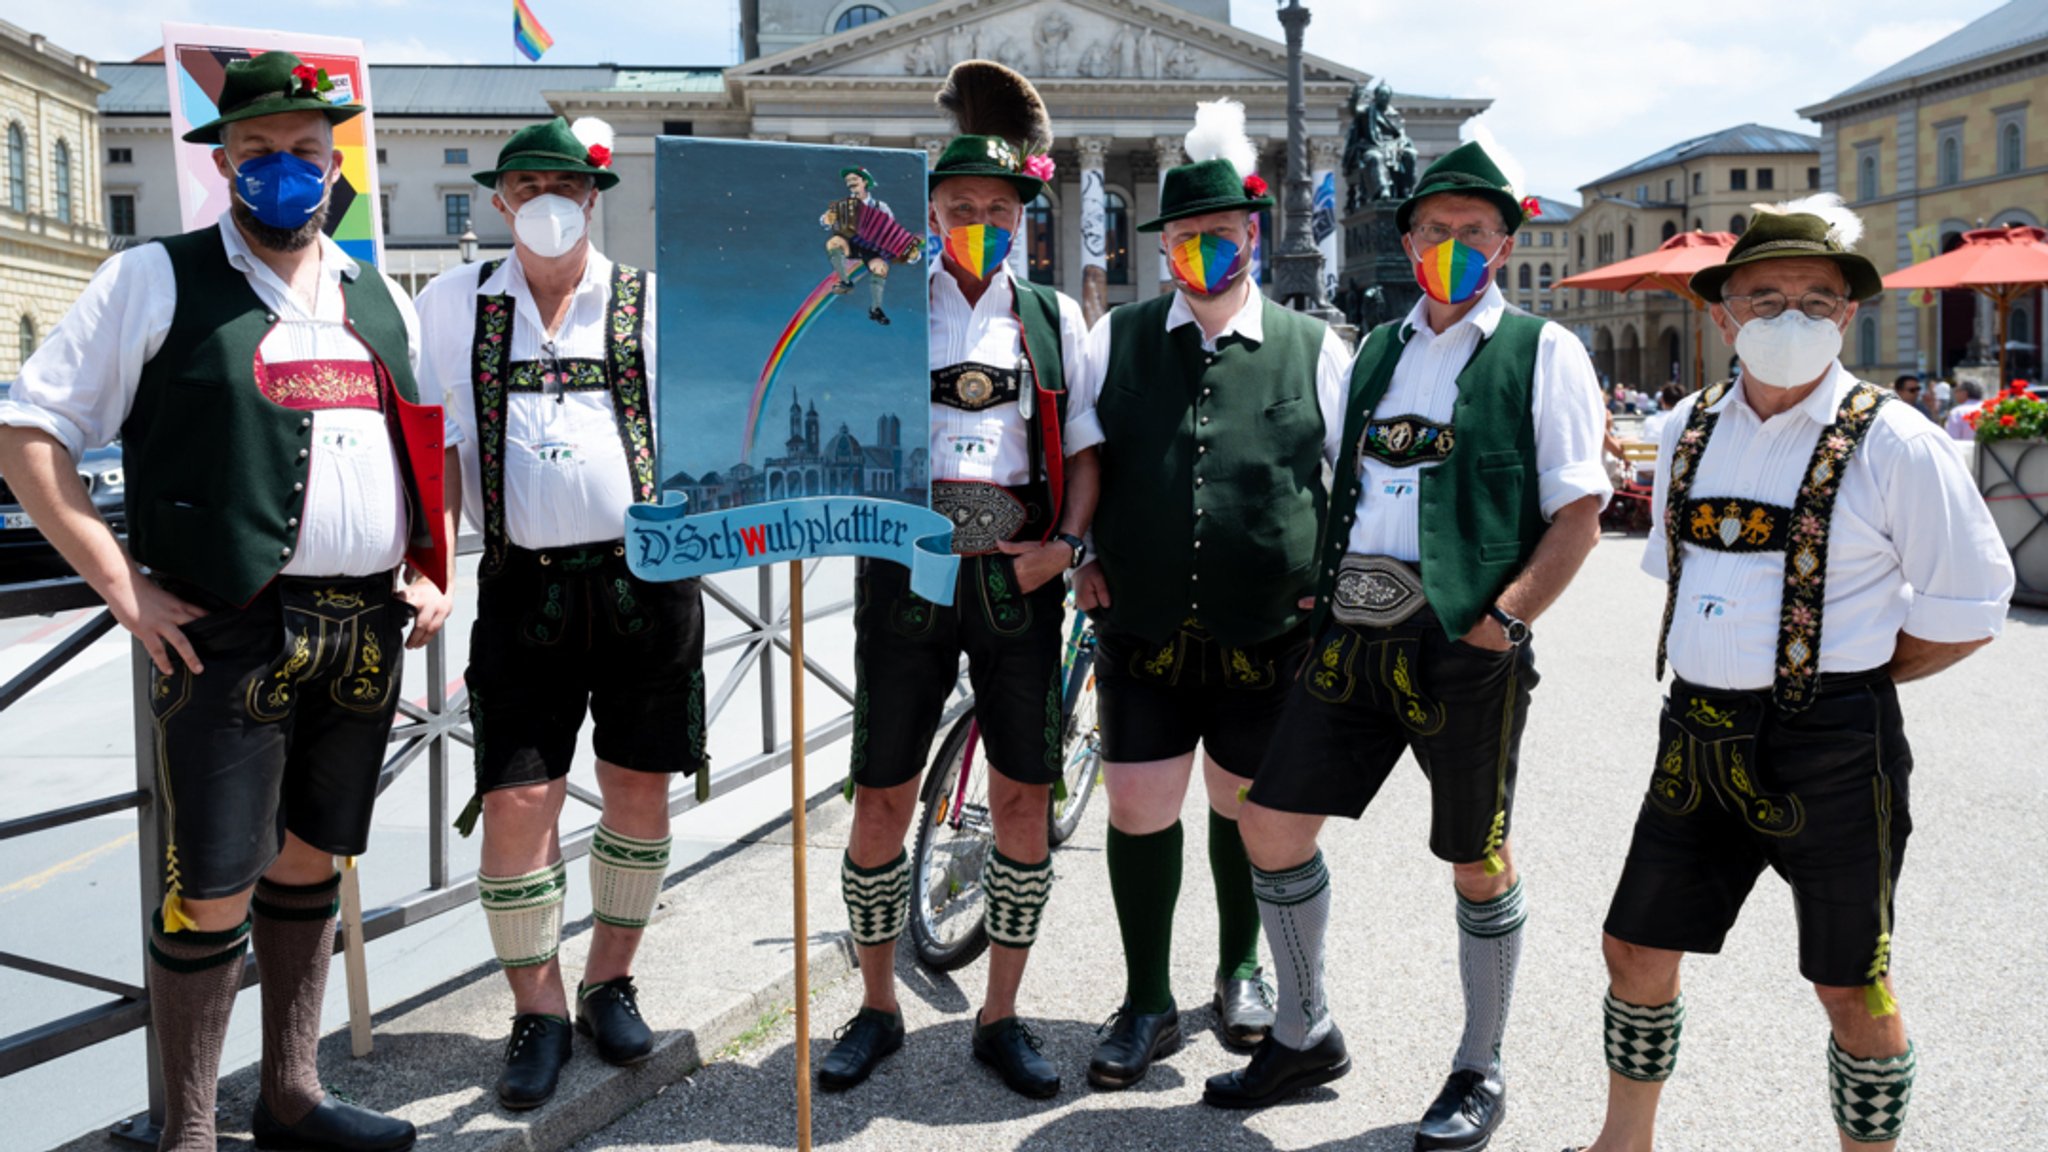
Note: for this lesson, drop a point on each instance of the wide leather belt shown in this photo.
(973, 387)
(1376, 591)
(983, 515)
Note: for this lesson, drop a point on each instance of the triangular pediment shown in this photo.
(1050, 41)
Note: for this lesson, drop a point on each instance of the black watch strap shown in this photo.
(1517, 630)
(1079, 546)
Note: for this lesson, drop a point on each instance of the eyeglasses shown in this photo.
(1766, 305)
(1472, 236)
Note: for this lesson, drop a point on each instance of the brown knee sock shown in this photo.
(193, 978)
(294, 938)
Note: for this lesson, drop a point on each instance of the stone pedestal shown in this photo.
(1378, 281)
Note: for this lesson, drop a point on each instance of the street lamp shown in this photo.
(466, 243)
(1298, 268)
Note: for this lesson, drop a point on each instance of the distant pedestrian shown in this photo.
(1960, 425)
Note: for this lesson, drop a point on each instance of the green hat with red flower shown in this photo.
(1005, 130)
(584, 147)
(1221, 174)
(267, 85)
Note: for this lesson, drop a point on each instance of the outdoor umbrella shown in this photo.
(1668, 269)
(2002, 264)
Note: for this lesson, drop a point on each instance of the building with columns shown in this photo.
(51, 238)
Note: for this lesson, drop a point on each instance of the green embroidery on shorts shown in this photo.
(696, 706)
(1055, 726)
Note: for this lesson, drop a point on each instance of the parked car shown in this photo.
(100, 468)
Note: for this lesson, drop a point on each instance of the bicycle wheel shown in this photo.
(955, 835)
(1081, 746)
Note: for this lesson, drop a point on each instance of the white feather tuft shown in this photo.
(1219, 134)
(1473, 131)
(1845, 227)
(592, 132)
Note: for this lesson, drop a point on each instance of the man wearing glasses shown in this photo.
(1468, 492)
(546, 361)
(1795, 498)
(1908, 389)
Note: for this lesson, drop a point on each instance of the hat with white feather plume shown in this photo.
(557, 146)
(1814, 227)
(1221, 173)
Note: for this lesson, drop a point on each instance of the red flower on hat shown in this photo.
(1531, 206)
(1040, 166)
(1254, 185)
(308, 78)
(600, 156)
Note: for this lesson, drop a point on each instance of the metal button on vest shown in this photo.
(292, 523)
(298, 487)
(1205, 419)
(305, 421)
(270, 316)
(1201, 449)
(1206, 391)
(1198, 481)
(303, 453)
(1198, 543)
(284, 553)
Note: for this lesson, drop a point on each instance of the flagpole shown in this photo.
(797, 797)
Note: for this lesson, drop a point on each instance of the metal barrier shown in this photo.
(418, 730)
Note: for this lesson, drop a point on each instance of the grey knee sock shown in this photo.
(1294, 906)
(1489, 947)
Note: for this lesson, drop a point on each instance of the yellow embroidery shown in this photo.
(1705, 713)
(1705, 524)
(1242, 668)
(1758, 528)
(329, 598)
(1162, 663)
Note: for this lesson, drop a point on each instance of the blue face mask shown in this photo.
(281, 189)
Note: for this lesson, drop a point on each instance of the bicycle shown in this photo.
(955, 832)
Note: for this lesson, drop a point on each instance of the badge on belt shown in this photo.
(1376, 591)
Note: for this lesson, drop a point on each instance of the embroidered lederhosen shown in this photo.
(1728, 524)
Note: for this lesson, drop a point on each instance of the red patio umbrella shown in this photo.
(2002, 264)
(1668, 269)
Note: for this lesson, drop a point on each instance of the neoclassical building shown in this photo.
(51, 238)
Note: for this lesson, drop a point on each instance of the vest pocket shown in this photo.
(1502, 461)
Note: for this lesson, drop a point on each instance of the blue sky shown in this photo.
(1582, 86)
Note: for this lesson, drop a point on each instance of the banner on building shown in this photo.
(794, 384)
(1326, 231)
(196, 57)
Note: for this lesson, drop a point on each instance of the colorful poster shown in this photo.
(794, 384)
(196, 57)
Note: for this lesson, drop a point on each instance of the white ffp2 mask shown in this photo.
(1788, 350)
(549, 225)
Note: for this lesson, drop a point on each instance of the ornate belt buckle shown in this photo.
(983, 515)
(1376, 591)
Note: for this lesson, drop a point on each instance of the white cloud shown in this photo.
(411, 50)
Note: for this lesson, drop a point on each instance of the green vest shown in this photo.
(216, 471)
(1481, 516)
(1211, 475)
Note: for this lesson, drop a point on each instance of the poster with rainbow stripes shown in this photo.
(795, 385)
(196, 57)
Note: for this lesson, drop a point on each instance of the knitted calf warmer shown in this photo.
(1015, 896)
(1642, 1043)
(625, 877)
(1870, 1095)
(877, 899)
(525, 914)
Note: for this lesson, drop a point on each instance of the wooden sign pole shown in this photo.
(797, 796)
(354, 964)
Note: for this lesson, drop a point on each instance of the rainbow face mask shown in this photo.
(1207, 265)
(1452, 272)
(980, 249)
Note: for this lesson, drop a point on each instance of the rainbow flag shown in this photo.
(527, 34)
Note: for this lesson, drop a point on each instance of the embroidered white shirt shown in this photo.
(993, 445)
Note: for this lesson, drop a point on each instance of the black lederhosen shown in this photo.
(1157, 701)
(284, 731)
(565, 630)
(1368, 694)
(1818, 795)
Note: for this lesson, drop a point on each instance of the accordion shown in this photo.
(875, 230)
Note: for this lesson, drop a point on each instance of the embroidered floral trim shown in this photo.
(310, 385)
(566, 375)
(628, 362)
(493, 335)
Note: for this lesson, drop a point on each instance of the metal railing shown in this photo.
(423, 730)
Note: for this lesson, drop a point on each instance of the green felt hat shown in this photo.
(1789, 236)
(551, 147)
(866, 176)
(985, 156)
(267, 85)
(1207, 186)
(1468, 171)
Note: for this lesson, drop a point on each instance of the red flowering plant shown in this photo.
(2018, 413)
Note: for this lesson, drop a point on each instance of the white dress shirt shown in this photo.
(566, 477)
(993, 445)
(1570, 424)
(80, 385)
(1911, 545)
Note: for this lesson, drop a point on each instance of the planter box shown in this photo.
(2013, 476)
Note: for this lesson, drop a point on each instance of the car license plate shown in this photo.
(16, 520)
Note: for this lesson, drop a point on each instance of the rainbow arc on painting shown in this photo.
(527, 35)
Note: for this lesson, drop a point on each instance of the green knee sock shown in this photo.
(1237, 910)
(1144, 881)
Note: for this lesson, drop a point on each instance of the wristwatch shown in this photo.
(1079, 546)
(1518, 632)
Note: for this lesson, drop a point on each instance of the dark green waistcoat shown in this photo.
(216, 471)
(1481, 516)
(1211, 475)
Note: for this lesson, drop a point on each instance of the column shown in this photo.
(1094, 150)
(1166, 151)
(1324, 154)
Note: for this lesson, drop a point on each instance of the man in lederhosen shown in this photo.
(278, 473)
(1012, 465)
(1468, 495)
(847, 253)
(1819, 545)
(1218, 408)
(546, 361)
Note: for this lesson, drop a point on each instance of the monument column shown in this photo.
(1094, 150)
(1166, 151)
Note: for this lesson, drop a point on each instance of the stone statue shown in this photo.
(1095, 62)
(922, 59)
(1180, 64)
(1052, 34)
(1379, 158)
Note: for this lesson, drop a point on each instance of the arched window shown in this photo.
(1951, 164)
(61, 179)
(2011, 150)
(28, 338)
(1043, 240)
(1866, 340)
(1500, 276)
(17, 168)
(858, 15)
(1670, 230)
(1116, 237)
(1543, 277)
(1866, 178)
(1522, 278)
(1737, 224)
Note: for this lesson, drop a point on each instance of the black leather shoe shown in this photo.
(1245, 1009)
(863, 1043)
(1136, 1039)
(1011, 1048)
(879, 316)
(1277, 1072)
(1465, 1114)
(332, 1126)
(533, 1060)
(609, 1013)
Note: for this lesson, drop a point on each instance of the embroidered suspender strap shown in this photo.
(1806, 551)
(626, 363)
(487, 378)
(1685, 458)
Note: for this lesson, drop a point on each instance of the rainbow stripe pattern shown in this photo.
(1452, 272)
(1204, 263)
(813, 306)
(527, 35)
(978, 248)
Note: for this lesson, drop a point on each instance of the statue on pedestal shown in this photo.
(1379, 158)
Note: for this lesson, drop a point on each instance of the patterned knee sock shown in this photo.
(1014, 897)
(1870, 1095)
(625, 877)
(1237, 910)
(1642, 1042)
(877, 899)
(1144, 882)
(293, 935)
(1294, 905)
(193, 978)
(1489, 948)
(877, 284)
(525, 914)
